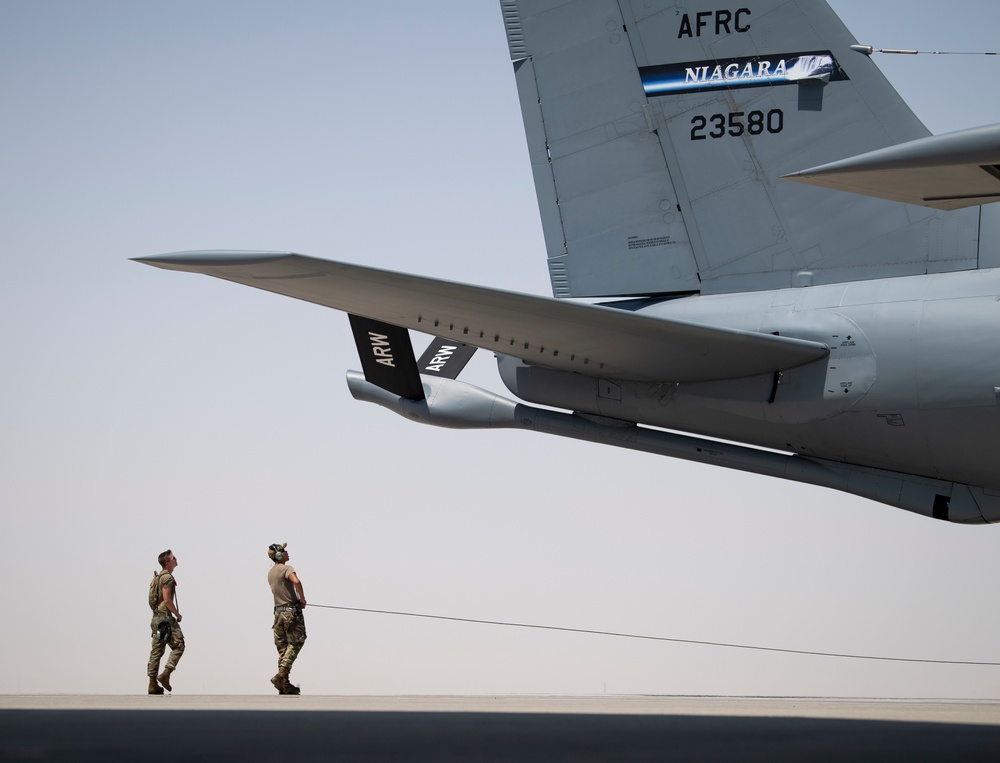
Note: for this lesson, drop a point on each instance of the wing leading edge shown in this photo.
(587, 339)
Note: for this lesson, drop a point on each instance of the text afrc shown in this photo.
(721, 21)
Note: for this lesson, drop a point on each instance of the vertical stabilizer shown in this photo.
(658, 130)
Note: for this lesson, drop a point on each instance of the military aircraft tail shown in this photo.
(658, 134)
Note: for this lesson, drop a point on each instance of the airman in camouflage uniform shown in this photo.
(289, 624)
(165, 625)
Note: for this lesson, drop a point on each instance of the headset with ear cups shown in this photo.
(279, 551)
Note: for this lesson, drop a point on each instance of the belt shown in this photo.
(288, 609)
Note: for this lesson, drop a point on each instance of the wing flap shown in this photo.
(587, 339)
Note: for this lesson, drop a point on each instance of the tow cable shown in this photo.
(655, 638)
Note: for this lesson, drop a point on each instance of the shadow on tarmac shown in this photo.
(224, 735)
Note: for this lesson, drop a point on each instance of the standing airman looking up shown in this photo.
(289, 624)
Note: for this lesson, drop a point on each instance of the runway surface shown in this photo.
(523, 728)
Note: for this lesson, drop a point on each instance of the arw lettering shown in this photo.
(723, 21)
(442, 357)
(381, 349)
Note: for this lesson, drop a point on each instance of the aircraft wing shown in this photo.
(951, 171)
(588, 339)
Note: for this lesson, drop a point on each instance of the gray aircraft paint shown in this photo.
(586, 339)
(852, 338)
(644, 194)
(891, 355)
(457, 405)
(950, 171)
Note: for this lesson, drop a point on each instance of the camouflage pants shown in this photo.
(289, 636)
(173, 638)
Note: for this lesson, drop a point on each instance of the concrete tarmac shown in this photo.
(484, 728)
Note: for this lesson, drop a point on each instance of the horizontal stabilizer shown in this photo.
(387, 357)
(587, 339)
(951, 171)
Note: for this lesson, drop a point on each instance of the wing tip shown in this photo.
(212, 257)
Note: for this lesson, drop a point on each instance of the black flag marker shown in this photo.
(445, 358)
(387, 357)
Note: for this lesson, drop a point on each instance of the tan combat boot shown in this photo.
(164, 678)
(280, 679)
(280, 682)
(154, 688)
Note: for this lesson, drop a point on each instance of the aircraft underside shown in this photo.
(889, 388)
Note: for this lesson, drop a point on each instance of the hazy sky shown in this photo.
(142, 409)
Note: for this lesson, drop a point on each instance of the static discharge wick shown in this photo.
(868, 50)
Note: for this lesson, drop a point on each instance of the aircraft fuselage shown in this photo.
(912, 382)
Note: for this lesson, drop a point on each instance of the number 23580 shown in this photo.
(737, 123)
